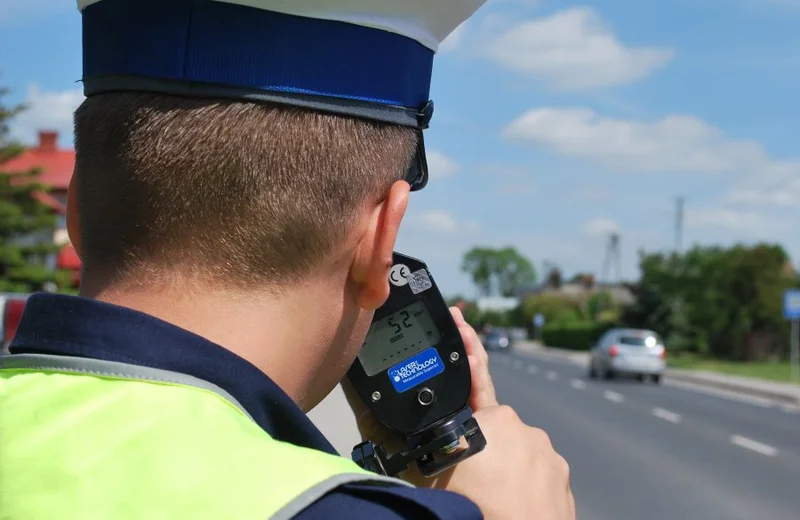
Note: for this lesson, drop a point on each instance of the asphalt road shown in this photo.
(646, 452)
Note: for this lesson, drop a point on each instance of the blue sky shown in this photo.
(558, 123)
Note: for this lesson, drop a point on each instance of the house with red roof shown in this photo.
(56, 166)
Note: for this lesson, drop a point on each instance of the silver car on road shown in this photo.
(636, 352)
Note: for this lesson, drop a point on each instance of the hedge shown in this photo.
(577, 336)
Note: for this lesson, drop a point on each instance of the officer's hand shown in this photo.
(482, 395)
(517, 476)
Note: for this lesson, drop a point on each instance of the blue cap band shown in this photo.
(206, 47)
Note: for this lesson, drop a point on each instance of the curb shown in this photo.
(684, 376)
(733, 387)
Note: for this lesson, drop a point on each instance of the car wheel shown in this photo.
(609, 374)
(640, 378)
(656, 378)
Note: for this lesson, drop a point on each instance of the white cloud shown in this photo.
(441, 166)
(777, 186)
(47, 110)
(573, 49)
(601, 227)
(442, 221)
(676, 143)
(439, 220)
(453, 40)
(741, 222)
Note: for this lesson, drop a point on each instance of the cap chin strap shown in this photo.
(418, 171)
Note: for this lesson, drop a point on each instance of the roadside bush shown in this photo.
(575, 336)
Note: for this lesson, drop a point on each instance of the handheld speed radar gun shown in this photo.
(413, 373)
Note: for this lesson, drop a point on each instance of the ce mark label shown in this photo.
(399, 275)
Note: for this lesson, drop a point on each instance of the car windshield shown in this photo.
(645, 340)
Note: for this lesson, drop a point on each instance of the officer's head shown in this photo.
(255, 150)
(233, 195)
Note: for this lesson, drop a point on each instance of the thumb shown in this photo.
(483, 393)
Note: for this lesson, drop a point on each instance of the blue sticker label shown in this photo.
(416, 370)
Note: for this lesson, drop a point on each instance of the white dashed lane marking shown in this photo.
(577, 384)
(672, 417)
(750, 444)
(667, 415)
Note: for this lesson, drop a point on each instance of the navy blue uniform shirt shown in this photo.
(72, 326)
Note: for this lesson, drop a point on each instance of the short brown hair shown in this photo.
(232, 192)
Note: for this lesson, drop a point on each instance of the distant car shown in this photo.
(634, 352)
(498, 339)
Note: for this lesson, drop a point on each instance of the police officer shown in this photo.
(242, 170)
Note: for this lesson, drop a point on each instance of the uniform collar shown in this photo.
(74, 326)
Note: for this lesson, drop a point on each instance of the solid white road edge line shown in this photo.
(717, 392)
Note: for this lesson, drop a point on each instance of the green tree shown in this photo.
(715, 301)
(500, 271)
(555, 308)
(600, 306)
(26, 224)
(554, 278)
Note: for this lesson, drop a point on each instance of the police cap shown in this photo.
(370, 59)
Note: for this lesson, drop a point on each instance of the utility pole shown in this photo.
(678, 319)
(547, 268)
(679, 226)
(613, 260)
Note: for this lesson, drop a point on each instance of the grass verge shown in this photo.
(772, 371)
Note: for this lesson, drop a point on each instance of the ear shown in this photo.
(73, 218)
(374, 255)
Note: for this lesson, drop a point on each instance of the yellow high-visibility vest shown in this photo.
(83, 439)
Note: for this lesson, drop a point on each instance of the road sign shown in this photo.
(538, 320)
(791, 304)
(791, 310)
